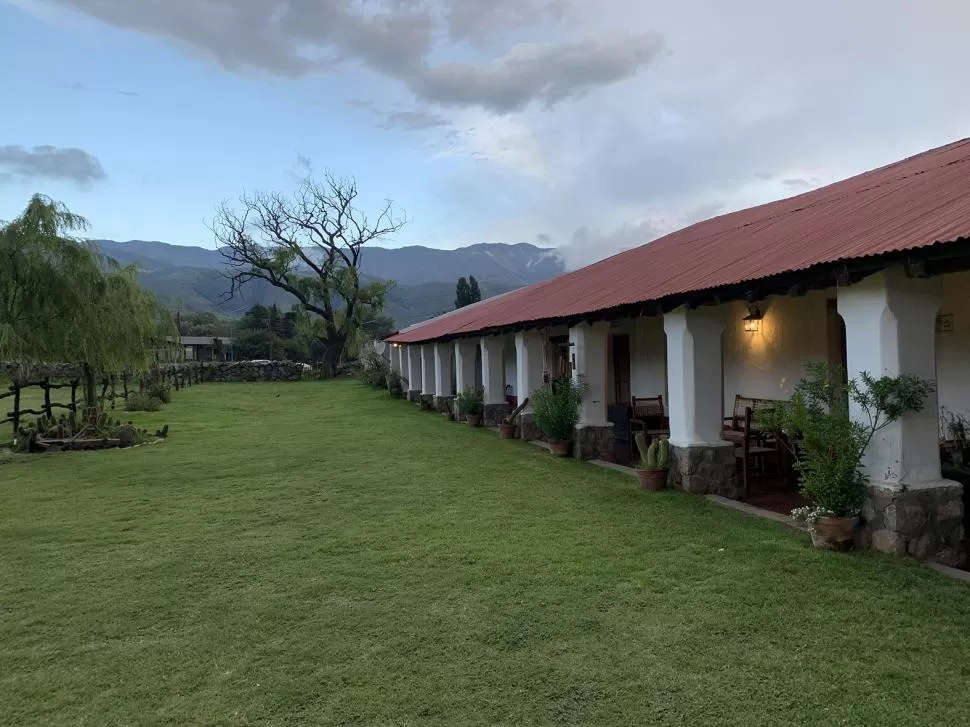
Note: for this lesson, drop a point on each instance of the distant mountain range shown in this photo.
(425, 277)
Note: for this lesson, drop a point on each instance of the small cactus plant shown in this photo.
(655, 456)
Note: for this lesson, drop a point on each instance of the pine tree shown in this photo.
(475, 294)
(463, 293)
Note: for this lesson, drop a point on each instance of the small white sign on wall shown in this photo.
(944, 323)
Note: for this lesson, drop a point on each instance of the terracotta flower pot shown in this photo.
(652, 479)
(559, 447)
(506, 431)
(833, 533)
(473, 420)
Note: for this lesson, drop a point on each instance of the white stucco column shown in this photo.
(442, 369)
(427, 369)
(890, 324)
(493, 369)
(413, 357)
(528, 363)
(694, 376)
(465, 350)
(588, 345)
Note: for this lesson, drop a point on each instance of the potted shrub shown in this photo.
(652, 469)
(828, 445)
(555, 410)
(471, 405)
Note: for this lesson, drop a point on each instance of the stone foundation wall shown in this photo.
(594, 443)
(251, 371)
(493, 414)
(414, 395)
(923, 522)
(703, 470)
(443, 404)
(426, 401)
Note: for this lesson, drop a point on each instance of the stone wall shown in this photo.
(228, 371)
(594, 443)
(704, 469)
(443, 404)
(494, 414)
(923, 522)
(55, 371)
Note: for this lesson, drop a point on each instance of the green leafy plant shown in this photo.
(142, 401)
(827, 443)
(555, 407)
(654, 456)
(395, 384)
(471, 402)
(954, 438)
(375, 370)
(160, 390)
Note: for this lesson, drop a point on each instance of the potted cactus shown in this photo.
(652, 469)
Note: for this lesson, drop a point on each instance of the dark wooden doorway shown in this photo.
(835, 332)
(621, 369)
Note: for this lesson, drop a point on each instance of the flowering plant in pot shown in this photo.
(555, 410)
(654, 458)
(828, 444)
(471, 405)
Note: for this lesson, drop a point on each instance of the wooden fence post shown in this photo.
(47, 399)
(16, 408)
(74, 395)
(124, 383)
(114, 391)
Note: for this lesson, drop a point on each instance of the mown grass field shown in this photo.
(316, 553)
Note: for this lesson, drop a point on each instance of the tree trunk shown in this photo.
(90, 387)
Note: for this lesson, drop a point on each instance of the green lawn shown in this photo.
(316, 553)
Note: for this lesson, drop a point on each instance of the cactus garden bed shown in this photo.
(90, 430)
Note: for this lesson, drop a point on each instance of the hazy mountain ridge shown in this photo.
(425, 277)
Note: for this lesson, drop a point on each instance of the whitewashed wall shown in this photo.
(953, 347)
(768, 362)
(793, 332)
(511, 370)
(648, 357)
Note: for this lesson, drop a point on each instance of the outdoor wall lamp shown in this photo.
(752, 321)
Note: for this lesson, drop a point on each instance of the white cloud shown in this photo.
(581, 124)
(50, 162)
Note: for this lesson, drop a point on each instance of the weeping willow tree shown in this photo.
(61, 301)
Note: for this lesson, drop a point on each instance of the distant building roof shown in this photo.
(202, 340)
(914, 203)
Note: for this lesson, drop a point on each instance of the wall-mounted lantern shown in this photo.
(752, 321)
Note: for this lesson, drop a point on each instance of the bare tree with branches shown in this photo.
(309, 245)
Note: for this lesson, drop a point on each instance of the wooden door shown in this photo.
(621, 369)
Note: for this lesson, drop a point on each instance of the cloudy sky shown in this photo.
(591, 126)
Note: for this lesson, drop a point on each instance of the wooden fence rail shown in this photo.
(16, 390)
(178, 377)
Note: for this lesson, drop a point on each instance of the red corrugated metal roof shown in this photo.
(913, 203)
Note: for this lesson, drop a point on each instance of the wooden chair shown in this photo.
(755, 449)
(649, 416)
